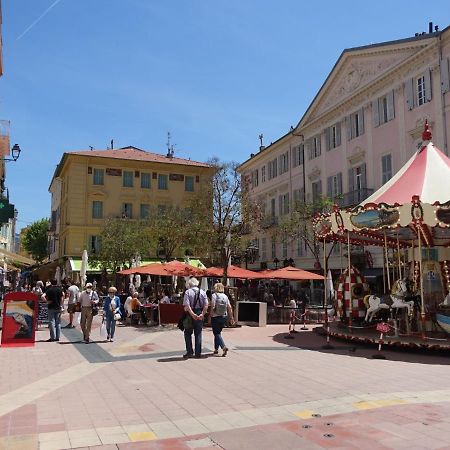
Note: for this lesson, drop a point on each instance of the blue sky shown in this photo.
(214, 73)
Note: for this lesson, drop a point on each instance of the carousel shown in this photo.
(408, 218)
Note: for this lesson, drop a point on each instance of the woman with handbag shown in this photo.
(111, 308)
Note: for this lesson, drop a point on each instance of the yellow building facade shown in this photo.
(93, 186)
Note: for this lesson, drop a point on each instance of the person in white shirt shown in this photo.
(165, 298)
(73, 292)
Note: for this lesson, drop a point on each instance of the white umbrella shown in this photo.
(58, 276)
(204, 284)
(137, 280)
(83, 268)
(149, 279)
(329, 288)
(63, 276)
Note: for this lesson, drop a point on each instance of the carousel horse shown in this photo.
(395, 300)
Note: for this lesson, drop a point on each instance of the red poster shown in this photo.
(20, 312)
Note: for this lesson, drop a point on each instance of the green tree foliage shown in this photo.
(122, 240)
(35, 239)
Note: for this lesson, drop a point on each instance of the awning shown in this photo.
(15, 257)
(75, 266)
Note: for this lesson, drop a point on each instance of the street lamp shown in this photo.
(15, 153)
(250, 254)
(276, 261)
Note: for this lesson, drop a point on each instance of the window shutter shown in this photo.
(361, 122)
(375, 113)
(348, 120)
(363, 176)
(427, 78)
(330, 187)
(327, 139)
(319, 188)
(409, 93)
(301, 154)
(445, 75)
(280, 205)
(339, 183)
(319, 144)
(309, 148)
(390, 105)
(338, 134)
(351, 179)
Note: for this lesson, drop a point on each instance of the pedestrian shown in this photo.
(220, 311)
(54, 298)
(111, 307)
(87, 299)
(195, 303)
(73, 292)
(165, 298)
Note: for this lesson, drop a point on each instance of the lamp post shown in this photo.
(15, 153)
(250, 253)
(276, 261)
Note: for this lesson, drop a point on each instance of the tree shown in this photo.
(232, 213)
(298, 225)
(35, 239)
(121, 240)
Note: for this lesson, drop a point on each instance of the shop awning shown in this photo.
(15, 257)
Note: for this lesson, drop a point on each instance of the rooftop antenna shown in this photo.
(170, 150)
(261, 147)
(112, 144)
(92, 148)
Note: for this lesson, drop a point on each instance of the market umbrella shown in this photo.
(83, 268)
(58, 276)
(165, 269)
(232, 272)
(291, 273)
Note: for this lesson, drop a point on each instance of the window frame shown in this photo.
(144, 176)
(99, 205)
(147, 205)
(95, 172)
(127, 175)
(163, 176)
(124, 212)
(186, 178)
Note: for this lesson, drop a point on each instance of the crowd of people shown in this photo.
(211, 307)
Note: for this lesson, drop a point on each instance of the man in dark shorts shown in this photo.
(54, 298)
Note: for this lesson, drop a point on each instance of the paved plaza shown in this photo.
(268, 393)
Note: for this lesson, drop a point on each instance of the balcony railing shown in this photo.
(352, 198)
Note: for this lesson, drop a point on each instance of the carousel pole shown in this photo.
(422, 313)
(340, 254)
(350, 322)
(399, 259)
(387, 262)
(327, 324)
(414, 266)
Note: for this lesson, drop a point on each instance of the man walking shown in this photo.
(73, 291)
(54, 298)
(87, 299)
(195, 304)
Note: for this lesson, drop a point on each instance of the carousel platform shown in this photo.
(434, 340)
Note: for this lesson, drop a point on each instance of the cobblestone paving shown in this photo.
(268, 393)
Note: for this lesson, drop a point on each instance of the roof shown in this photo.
(131, 153)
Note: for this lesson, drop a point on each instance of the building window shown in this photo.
(300, 247)
(263, 248)
(94, 244)
(263, 174)
(283, 204)
(145, 211)
(145, 180)
(355, 124)
(334, 186)
(273, 168)
(97, 210)
(285, 247)
(272, 207)
(99, 176)
(418, 90)
(274, 247)
(314, 149)
(255, 178)
(127, 211)
(188, 184)
(333, 136)
(421, 90)
(284, 162)
(162, 182)
(127, 178)
(297, 155)
(386, 168)
(316, 191)
(383, 109)
(161, 210)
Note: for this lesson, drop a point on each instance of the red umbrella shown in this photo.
(291, 273)
(232, 272)
(176, 268)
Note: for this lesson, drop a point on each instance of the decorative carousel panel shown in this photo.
(375, 219)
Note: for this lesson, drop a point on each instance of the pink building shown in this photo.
(362, 126)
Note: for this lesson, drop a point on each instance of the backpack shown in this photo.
(220, 306)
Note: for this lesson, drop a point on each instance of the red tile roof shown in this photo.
(136, 154)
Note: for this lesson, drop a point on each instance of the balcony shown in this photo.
(353, 198)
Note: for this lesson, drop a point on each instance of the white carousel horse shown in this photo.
(395, 300)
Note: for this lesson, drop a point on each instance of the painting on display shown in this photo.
(20, 311)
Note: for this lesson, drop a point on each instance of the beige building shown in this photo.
(91, 186)
(362, 126)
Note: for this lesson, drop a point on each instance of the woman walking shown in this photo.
(111, 307)
(220, 311)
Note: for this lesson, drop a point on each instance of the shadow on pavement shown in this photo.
(313, 340)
